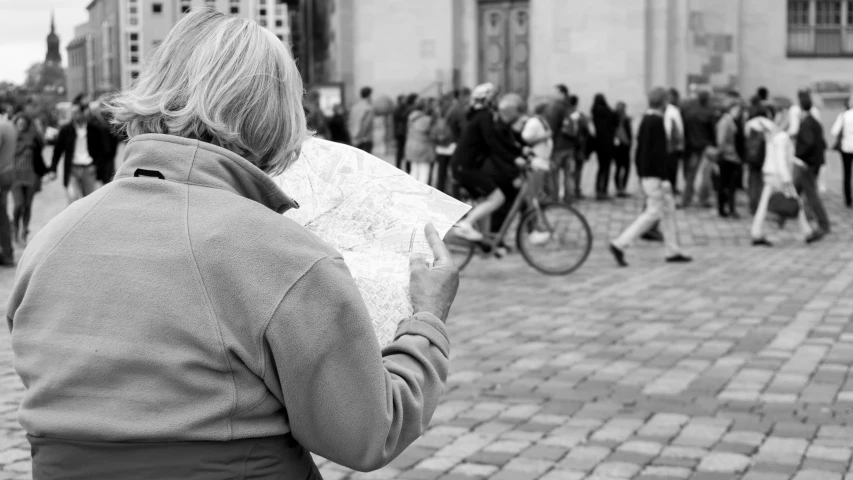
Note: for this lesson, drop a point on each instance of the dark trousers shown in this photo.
(6, 180)
(729, 182)
(622, 159)
(756, 185)
(441, 162)
(401, 150)
(23, 198)
(365, 146)
(805, 181)
(847, 165)
(672, 162)
(602, 180)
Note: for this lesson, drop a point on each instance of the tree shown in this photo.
(42, 77)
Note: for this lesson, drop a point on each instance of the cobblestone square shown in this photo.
(736, 366)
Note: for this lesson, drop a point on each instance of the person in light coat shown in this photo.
(419, 148)
(842, 131)
(779, 163)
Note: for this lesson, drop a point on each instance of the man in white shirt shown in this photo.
(83, 145)
(675, 134)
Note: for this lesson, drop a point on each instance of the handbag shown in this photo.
(784, 205)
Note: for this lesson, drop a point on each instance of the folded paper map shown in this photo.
(374, 214)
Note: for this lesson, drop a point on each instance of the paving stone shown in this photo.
(752, 475)
(584, 458)
(563, 475)
(616, 469)
(817, 475)
(666, 472)
(724, 463)
(475, 469)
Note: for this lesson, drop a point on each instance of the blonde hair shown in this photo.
(223, 80)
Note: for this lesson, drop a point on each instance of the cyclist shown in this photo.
(484, 163)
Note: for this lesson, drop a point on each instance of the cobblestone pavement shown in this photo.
(736, 366)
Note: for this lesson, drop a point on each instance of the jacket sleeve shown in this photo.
(346, 400)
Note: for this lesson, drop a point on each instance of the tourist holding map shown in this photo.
(174, 325)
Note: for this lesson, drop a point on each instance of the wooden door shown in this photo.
(504, 46)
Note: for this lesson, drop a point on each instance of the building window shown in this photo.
(156, 8)
(134, 36)
(280, 38)
(134, 74)
(134, 59)
(134, 21)
(235, 10)
(263, 12)
(134, 48)
(185, 6)
(263, 22)
(820, 28)
(279, 23)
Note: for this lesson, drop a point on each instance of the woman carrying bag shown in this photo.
(842, 130)
(779, 194)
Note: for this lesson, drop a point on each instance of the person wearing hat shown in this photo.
(482, 163)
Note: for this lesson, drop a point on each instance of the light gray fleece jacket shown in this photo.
(188, 308)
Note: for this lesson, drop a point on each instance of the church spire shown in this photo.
(52, 28)
(53, 56)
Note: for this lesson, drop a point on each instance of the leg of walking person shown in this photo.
(5, 227)
(803, 221)
(722, 189)
(705, 169)
(756, 186)
(401, 149)
(812, 197)
(757, 230)
(17, 210)
(602, 184)
(441, 162)
(622, 162)
(691, 167)
(667, 221)
(87, 177)
(29, 196)
(847, 166)
(653, 190)
(673, 160)
(577, 174)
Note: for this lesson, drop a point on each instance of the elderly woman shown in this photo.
(175, 325)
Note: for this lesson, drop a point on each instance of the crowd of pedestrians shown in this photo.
(86, 143)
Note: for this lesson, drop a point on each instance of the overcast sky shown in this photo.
(24, 25)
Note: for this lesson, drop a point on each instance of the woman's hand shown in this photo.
(433, 289)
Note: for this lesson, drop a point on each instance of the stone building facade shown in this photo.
(621, 48)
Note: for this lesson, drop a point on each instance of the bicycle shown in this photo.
(559, 220)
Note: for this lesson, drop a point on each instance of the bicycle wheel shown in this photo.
(461, 250)
(556, 244)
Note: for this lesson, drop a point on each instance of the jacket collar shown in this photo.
(189, 161)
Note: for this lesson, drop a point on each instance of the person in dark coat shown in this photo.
(29, 168)
(700, 140)
(652, 167)
(622, 150)
(338, 130)
(605, 121)
(82, 160)
(811, 149)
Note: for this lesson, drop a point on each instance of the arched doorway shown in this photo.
(504, 47)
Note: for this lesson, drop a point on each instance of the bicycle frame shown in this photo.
(493, 240)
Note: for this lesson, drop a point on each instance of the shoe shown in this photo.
(622, 195)
(734, 215)
(538, 238)
(761, 242)
(679, 258)
(723, 214)
(466, 231)
(618, 255)
(652, 236)
(815, 236)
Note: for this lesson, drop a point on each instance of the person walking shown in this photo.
(576, 132)
(8, 147)
(420, 149)
(622, 151)
(82, 144)
(651, 160)
(315, 117)
(604, 119)
(756, 133)
(777, 169)
(361, 121)
(203, 335)
(699, 142)
(842, 130)
(728, 161)
(810, 147)
(555, 112)
(29, 168)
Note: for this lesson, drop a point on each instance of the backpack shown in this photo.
(548, 134)
(756, 148)
(440, 132)
(571, 125)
